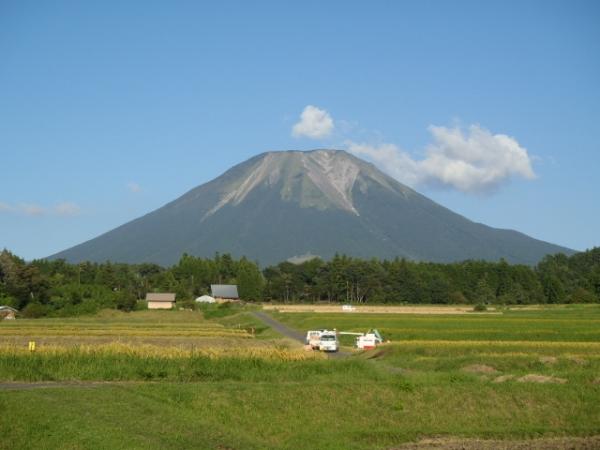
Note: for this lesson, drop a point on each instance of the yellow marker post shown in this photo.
(32, 346)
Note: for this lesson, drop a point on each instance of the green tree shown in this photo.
(250, 280)
(581, 295)
(484, 294)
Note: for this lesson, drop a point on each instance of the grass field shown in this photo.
(555, 324)
(518, 375)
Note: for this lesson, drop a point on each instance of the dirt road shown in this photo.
(291, 333)
(279, 327)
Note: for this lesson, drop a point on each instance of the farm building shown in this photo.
(160, 300)
(206, 299)
(224, 292)
(7, 313)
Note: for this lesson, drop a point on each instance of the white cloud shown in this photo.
(314, 123)
(5, 207)
(67, 209)
(134, 187)
(474, 161)
(390, 158)
(32, 209)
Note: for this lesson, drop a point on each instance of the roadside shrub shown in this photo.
(582, 295)
(216, 311)
(479, 307)
(126, 301)
(457, 298)
(186, 304)
(34, 310)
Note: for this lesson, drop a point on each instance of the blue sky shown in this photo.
(109, 110)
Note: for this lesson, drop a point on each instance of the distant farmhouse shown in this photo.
(7, 313)
(224, 292)
(160, 300)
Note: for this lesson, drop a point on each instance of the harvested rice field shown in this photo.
(183, 379)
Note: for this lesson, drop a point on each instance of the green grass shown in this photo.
(415, 387)
(576, 323)
(341, 414)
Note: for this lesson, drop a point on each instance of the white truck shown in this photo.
(329, 342)
(366, 341)
(324, 340)
(369, 340)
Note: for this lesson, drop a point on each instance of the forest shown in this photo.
(57, 288)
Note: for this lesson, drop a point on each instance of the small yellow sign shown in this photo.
(32, 346)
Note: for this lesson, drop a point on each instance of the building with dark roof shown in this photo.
(224, 291)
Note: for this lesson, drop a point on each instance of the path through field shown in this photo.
(291, 333)
(279, 327)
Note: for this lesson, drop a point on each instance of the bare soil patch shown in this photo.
(577, 360)
(534, 378)
(548, 360)
(563, 443)
(479, 368)
(503, 378)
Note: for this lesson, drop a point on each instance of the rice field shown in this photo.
(180, 329)
(577, 323)
(172, 380)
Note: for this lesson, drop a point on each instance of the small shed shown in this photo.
(224, 292)
(7, 312)
(206, 299)
(164, 300)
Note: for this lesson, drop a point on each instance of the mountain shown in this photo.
(281, 205)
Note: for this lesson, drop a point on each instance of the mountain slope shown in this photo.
(282, 204)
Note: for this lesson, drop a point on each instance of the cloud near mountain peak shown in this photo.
(314, 123)
(471, 161)
(468, 159)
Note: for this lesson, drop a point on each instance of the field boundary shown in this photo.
(376, 309)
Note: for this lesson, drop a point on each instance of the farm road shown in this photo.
(290, 332)
(279, 327)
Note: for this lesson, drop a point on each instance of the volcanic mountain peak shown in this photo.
(322, 202)
(318, 178)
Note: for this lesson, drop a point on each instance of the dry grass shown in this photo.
(124, 331)
(146, 351)
(151, 327)
(455, 443)
(479, 368)
(535, 378)
(548, 360)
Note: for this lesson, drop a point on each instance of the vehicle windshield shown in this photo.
(328, 338)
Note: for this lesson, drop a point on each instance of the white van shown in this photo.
(329, 342)
(324, 340)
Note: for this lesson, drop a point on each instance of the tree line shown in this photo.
(43, 287)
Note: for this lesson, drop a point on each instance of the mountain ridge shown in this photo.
(277, 205)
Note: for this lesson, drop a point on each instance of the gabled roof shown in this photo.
(8, 308)
(160, 297)
(224, 291)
